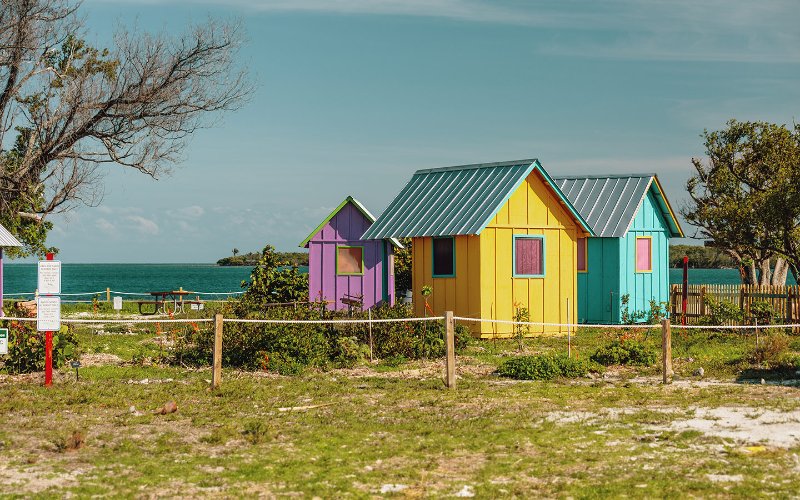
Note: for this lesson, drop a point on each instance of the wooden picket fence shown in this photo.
(785, 300)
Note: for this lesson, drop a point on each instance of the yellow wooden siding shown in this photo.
(484, 285)
(531, 210)
(460, 294)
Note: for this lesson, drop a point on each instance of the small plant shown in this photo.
(394, 361)
(74, 442)
(631, 352)
(543, 367)
(255, 431)
(762, 312)
(626, 316)
(463, 338)
(350, 352)
(772, 350)
(722, 312)
(521, 315)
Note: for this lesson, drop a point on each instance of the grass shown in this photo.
(390, 427)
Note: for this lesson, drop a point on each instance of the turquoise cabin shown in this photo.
(633, 222)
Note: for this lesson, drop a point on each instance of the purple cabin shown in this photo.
(345, 270)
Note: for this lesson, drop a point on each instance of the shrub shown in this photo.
(542, 367)
(631, 352)
(762, 312)
(771, 350)
(722, 311)
(26, 347)
(289, 348)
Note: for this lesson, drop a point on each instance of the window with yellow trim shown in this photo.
(644, 255)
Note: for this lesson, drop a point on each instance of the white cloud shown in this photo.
(685, 30)
(193, 211)
(105, 226)
(142, 225)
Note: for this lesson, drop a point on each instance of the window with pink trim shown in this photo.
(644, 255)
(582, 254)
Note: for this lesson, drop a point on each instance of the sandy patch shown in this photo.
(35, 481)
(745, 425)
(100, 359)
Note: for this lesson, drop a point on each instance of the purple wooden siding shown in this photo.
(345, 228)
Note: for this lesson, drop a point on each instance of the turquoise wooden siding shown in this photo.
(598, 287)
(611, 271)
(642, 287)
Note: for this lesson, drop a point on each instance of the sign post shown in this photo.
(48, 309)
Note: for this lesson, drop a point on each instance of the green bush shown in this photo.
(289, 348)
(771, 350)
(631, 352)
(722, 311)
(26, 348)
(762, 312)
(543, 367)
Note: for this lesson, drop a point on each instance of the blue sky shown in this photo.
(353, 96)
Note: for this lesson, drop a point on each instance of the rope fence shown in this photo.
(408, 320)
(449, 334)
(114, 292)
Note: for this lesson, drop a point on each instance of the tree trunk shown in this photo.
(747, 271)
(793, 268)
(780, 273)
(765, 272)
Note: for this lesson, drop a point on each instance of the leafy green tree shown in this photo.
(69, 110)
(235, 252)
(402, 266)
(272, 281)
(746, 197)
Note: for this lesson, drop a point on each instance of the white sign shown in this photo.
(48, 314)
(3, 341)
(49, 277)
(197, 307)
(117, 303)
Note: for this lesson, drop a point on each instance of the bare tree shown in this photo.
(73, 108)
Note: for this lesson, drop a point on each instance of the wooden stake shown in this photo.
(369, 314)
(108, 294)
(450, 343)
(216, 376)
(569, 333)
(666, 351)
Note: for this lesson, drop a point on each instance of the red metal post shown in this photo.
(685, 293)
(48, 351)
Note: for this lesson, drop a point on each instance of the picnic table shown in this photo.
(162, 298)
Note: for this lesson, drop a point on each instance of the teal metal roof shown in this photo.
(610, 202)
(457, 200)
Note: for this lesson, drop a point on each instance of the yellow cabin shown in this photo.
(491, 240)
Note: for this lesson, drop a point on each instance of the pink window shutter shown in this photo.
(529, 256)
(581, 254)
(643, 258)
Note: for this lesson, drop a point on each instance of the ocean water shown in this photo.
(142, 278)
(130, 278)
(712, 277)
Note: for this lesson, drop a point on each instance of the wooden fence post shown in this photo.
(702, 300)
(450, 343)
(216, 376)
(666, 351)
(741, 298)
(108, 294)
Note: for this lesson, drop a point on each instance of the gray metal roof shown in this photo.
(7, 239)
(610, 203)
(456, 200)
